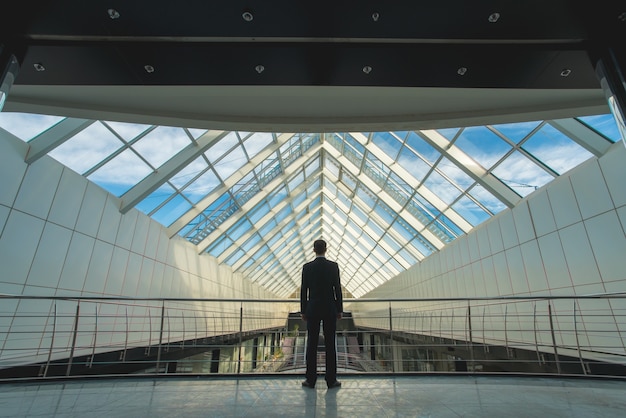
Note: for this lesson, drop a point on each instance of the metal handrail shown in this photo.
(537, 334)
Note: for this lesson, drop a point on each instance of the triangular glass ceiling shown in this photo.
(256, 201)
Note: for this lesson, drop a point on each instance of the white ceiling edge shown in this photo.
(306, 108)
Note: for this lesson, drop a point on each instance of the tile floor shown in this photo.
(360, 396)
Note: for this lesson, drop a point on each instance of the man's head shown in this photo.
(319, 246)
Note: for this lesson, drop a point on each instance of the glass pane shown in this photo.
(556, 150)
(413, 164)
(604, 124)
(161, 144)
(121, 173)
(87, 148)
(26, 126)
(155, 199)
(521, 174)
(172, 210)
(256, 142)
(470, 211)
(516, 131)
(233, 161)
(482, 145)
(387, 142)
(417, 144)
(127, 131)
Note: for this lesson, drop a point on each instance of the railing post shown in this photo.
(240, 337)
(54, 329)
(147, 352)
(95, 338)
(535, 332)
(158, 362)
(71, 359)
(393, 356)
(469, 330)
(580, 357)
(126, 336)
(556, 353)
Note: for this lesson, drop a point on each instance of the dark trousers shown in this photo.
(313, 331)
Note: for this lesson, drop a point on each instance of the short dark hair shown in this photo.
(319, 246)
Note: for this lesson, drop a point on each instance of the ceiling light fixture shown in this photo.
(461, 71)
(622, 17)
(566, 72)
(375, 16)
(494, 17)
(113, 14)
(247, 16)
(367, 69)
(39, 67)
(149, 69)
(259, 69)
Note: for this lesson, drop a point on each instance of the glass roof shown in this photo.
(256, 201)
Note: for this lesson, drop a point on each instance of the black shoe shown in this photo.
(308, 384)
(335, 384)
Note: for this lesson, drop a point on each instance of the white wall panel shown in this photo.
(534, 267)
(18, 243)
(12, 167)
(484, 247)
(495, 236)
(133, 271)
(117, 271)
(612, 165)
(591, 192)
(152, 241)
(77, 263)
(555, 264)
(91, 210)
(145, 277)
(38, 188)
(110, 222)
(4, 216)
(515, 265)
(503, 277)
(523, 223)
(541, 213)
(474, 250)
(563, 202)
(609, 245)
(126, 229)
(68, 199)
(50, 257)
(157, 281)
(508, 230)
(140, 235)
(578, 255)
(98, 268)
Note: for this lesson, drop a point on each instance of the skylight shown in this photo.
(256, 201)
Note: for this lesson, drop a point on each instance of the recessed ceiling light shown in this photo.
(494, 17)
(367, 69)
(259, 69)
(247, 16)
(149, 68)
(461, 71)
(113, 14)
(375, 16)
(566, 72)
(39, 67)
(622, 17)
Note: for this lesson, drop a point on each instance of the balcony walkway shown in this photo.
(360, 396)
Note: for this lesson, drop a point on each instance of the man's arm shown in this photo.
(303, 296)
(338, 295)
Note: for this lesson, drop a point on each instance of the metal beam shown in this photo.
(172, 166)
(233, 179)
(471, 167)
(53, 137)
(583, 135)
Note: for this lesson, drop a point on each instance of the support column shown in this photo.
(611, 71)
(9, 68)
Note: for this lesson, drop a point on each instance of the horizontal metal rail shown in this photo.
(68, 335)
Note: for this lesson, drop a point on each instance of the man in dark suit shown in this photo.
(321, 301)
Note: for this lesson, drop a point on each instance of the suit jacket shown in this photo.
(320, 294)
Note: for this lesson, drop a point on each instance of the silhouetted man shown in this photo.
(321, 301)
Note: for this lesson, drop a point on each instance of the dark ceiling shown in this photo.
(460, 44)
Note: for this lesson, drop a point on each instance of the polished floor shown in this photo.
(360, 396)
